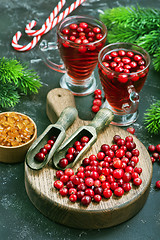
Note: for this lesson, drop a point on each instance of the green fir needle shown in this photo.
(152, 118)
(14, 78)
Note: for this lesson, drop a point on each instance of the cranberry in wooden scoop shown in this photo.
(100, 121)
(66, 118)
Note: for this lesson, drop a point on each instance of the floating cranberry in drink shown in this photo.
(123, 69)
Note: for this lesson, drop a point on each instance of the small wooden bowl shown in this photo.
(15, 154)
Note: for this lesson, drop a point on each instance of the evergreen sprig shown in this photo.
(136, 25)
(152, 118)
(15, 78)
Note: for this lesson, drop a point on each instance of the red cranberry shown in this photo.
(114, 147)
(123, 78)
(117, 163)
(70, 184)
(158, 184)
(59, 173)
(131, 130)
(118, 173)
(89, 181)
(114, 54)
(137, 181)
(39, 157)
(86, 200)
(121, 142)
(114, 185)
(63, 162)
(121, 53)
(73, 197)
(58, 184)
(97, 102)
(119, 192)
(126, 187)
(83, 25)
(98, 92)
(105, 147)
(69, 172)
(107, 193)
(63, 191)
(127, 177)
(44, 151)
(155, 155)
(138, 170)
(97, 198)
(129, 139)
(95, 108)
(80, 194)
(120, 153)
(47, 147)
(64, 178)
(158, 148)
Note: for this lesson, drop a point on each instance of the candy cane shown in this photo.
(50, 25)
(27, 47)
(41, 31)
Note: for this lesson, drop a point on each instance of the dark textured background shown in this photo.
(19, 219)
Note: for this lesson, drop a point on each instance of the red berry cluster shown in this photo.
(82, 33)
(112, 171)
(73, 152)
(155, 156)
(40, 156)
(97, 102)
(124, 62)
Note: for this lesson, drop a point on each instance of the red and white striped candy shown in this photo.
(27, 47)
(49, 24)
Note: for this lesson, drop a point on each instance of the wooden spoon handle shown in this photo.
(102, 119)
(53, 108)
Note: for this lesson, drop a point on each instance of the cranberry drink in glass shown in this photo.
(79, 40)
(123, 69)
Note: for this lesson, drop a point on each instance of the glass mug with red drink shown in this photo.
(123, 69)
(79, 40)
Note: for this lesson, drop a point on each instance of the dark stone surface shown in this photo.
(19, 219)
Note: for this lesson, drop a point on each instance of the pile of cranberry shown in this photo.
(112, 171)
(82, 33)
(124, 62)
(40, 156)
(72, 152)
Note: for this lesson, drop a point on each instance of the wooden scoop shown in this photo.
(66, 118)
(100, 121)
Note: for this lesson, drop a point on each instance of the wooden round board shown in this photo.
(107, 213)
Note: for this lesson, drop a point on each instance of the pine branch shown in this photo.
(29, 82)
(152, 118)
(9, 97)
(10, 70)
(15, 76)
(156, 59)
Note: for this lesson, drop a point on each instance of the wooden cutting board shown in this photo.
(107, 213)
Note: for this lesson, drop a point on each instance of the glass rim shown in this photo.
(123, 43)
(78, 17)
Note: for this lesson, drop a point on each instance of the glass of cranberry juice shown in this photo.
(123, 69)
(80, 38)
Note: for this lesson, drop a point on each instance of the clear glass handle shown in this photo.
(134, 101)
(49, 54)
